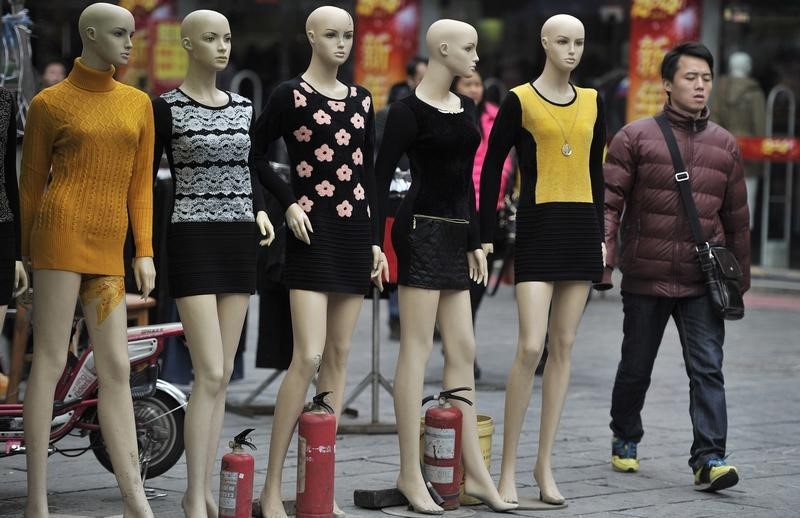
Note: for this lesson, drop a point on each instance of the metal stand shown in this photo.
(375, 379)
(247, 408)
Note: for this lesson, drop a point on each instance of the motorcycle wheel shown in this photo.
(165, 432)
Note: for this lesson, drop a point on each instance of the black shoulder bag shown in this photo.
(720, 269)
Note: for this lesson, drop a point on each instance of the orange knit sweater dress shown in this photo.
(92, 137)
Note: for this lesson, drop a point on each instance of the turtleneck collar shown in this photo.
(684, 121)
(91, 79)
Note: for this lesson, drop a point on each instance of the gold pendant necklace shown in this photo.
(566, 149)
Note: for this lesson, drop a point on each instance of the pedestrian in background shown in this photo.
(661, 277)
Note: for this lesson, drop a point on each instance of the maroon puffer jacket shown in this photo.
(657, 250)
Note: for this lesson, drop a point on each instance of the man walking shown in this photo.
(660, 273)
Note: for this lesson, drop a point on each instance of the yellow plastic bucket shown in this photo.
(485, 432)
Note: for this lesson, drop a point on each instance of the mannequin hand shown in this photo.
(297, 221)
(145, 274)
(265, 227)
(603, 248)
(477, 266)
(380, 267)
(488, 248)
(20, 279)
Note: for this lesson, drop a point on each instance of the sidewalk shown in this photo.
(762, 368)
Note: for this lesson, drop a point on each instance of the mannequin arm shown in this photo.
(37, 149)
(502, 138)
(596, 164)
(297, 221)
(380, 267)
(145, 274)
(265, 227)
(140, 190)
(369, 173)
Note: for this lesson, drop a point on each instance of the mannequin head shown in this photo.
(740, 64)
(106, 31)
(562, 38)
(454, 45)
(206, 36)
(330, 34)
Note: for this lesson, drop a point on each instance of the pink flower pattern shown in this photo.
(324, 153)
(299, 99)
(366, 103)
(302, 134)
(304, 169)
(305, 203)
(321, 117)
(342, 137)
(337, 106)
(358, 192)
(358, 156)
(344, 173)
(325, 189)
(305, 87)
(357, 120)
(353, 91)
(344, 209)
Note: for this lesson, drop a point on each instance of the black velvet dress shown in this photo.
(436, 223)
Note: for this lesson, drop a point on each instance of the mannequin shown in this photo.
(212, 254)
(333, 249)
(738, 105)
(13, 278)
(75, 242)
(435, 235)
(559, 133)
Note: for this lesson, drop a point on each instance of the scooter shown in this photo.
(158, 406)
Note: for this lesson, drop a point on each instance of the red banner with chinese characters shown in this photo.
(386, 39)
(656, 27)
(777, 149)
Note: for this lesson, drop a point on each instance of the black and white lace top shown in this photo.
(208, 149)
(9, 194)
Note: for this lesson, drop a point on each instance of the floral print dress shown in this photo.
(330, 144)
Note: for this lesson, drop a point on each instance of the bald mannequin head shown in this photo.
(563, 39)
(319, 17)
(196, 22)
(101, 14)
(443, 33)
(558, 23)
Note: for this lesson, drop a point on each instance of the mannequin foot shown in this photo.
(548, 491)
(36, 511)
(337, 511)
(272, 506)
(192, 508)
(487, 494)
(419, 500)
(507, 488)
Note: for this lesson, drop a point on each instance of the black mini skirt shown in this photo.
(436, 256)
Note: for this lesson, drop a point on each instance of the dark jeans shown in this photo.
(702, 335)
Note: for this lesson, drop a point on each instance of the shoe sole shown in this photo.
(620, 470)
(725, 481)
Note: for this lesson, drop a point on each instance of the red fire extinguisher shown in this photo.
(442, 459)
(316, 448)
(236, 479)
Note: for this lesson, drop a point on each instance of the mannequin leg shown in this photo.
(458, 339)
(55, 296)
(533, 306)
(115, 406)
(343, 311)
(205, 319)
(309, 323)
(417, 320)
(569, 300)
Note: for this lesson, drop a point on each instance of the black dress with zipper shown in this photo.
(436, 223)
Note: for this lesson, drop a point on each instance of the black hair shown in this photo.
(411, 66)
(691, 48)
(481, 106)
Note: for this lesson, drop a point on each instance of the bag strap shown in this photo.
(682, 179)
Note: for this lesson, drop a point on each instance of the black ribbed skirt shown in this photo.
(7, 262)
(211, 258)
(338, 260)
(558, 242)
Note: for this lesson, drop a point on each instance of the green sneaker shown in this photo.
(623, 456)
(714, 475)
